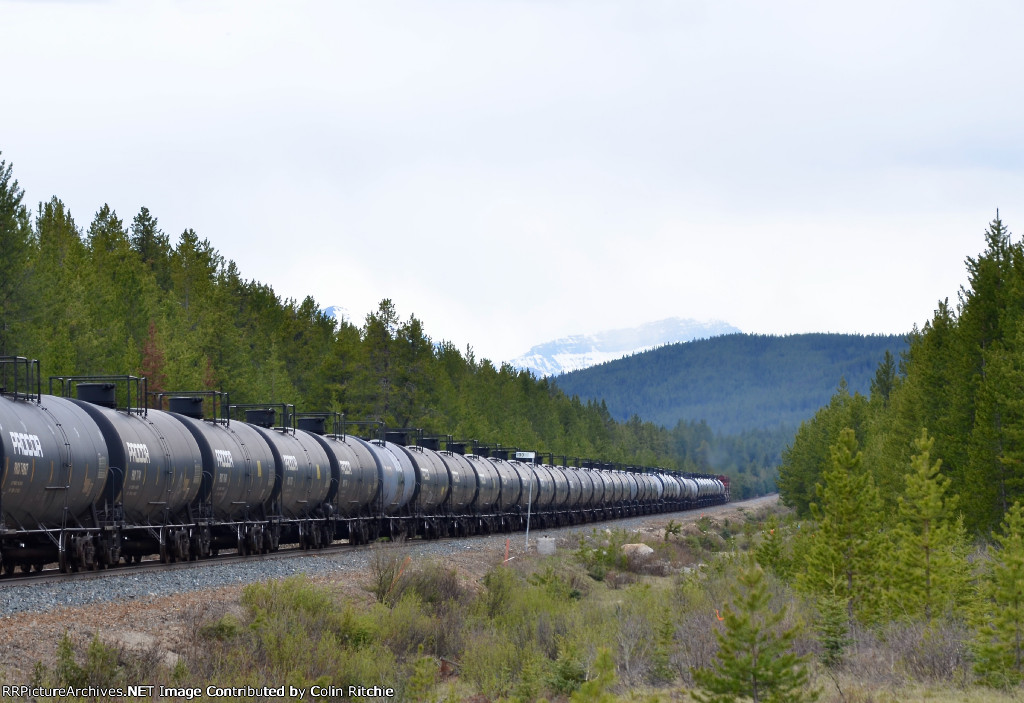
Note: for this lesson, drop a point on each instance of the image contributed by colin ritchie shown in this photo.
(193, 693)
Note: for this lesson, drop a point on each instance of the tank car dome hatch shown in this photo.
(263, 417)
(313, 424)
(189, 406)
(102, 394)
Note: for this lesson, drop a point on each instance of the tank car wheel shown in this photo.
(9, 568)
(38, 567)
(26, 568)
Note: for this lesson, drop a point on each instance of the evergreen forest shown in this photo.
(735, 382)
(121, 296)
(914, 490)
(960, 380)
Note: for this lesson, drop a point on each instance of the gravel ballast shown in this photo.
(111, 586)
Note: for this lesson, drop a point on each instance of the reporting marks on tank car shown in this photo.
(137, 453)
(26, 444)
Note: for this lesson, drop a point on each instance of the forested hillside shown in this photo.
(735, 382)
(120, 297)
(961, 380)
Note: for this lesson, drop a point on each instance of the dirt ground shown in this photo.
(162, 626)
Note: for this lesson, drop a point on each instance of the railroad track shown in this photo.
(51, 574)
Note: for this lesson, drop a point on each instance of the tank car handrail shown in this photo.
(31, 367)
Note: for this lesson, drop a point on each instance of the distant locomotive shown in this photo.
(99, 479)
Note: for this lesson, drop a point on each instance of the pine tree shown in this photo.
(885, 379)
(928, 571)
(999, 632)
(810, 451)
(842, 555)
(595, 690)
(833, 627)
(62, 318)
(122, 295)
(152, 245)
(377, 382)
(771, 550)
(754, 658)
(153, 362)
(15, 251)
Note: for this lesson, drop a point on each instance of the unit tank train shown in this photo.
(100, 478)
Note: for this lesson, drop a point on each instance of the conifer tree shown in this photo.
(928, 571)
(154, 361)
(122, 295)
(62, 320)
(771, 550)
(810, 452)
(842, 555)
(999, 634)
(885, 379)
(15, 249)
(833, 627)
(595, 689)
(152, 245)
(754, 657)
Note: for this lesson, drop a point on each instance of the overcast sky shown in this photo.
(511, 172)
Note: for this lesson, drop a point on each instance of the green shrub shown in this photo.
(601, 552)
(407, 627)
(388, 577)
(489, 662)
(101, 668)
(568, 672)
(225, 628)
(500, 584)
(436, 585)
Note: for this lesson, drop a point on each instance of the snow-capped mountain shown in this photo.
(583, 350)
(338, 313)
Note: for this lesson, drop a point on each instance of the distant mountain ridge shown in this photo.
(735, 382)
(585, 350)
